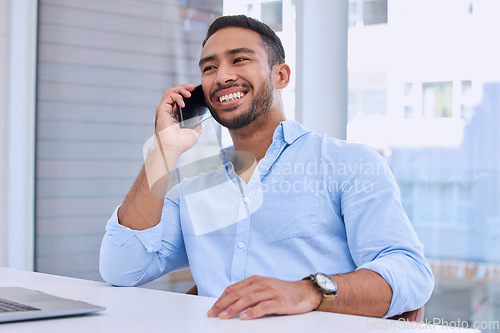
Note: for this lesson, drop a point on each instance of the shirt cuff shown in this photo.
(120, 235)
(399, 290)
(409, 277)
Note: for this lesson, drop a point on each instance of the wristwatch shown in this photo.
(327, 286)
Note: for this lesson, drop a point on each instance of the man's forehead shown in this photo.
(232, 38)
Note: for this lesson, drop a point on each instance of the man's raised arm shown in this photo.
(132, 234)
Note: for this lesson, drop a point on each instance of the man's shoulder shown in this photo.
(340, 148)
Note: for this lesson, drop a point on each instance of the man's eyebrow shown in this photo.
(230, 52)
(206, 59)
(241, 50)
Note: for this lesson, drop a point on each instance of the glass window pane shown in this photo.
(272, 14)
(437, 99)
(367, 12)
(440, 135)
(375, 12)
(102, 68)
(409, 112)
(408, 89)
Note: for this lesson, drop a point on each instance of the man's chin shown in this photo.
(233, 123)
(230, 124)
(234, 119)
(228, 118)
(229, 109)
(223, 114)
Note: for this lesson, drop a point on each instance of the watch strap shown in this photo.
(325, 302)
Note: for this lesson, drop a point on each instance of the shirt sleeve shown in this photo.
(379, 233)
(134, 257)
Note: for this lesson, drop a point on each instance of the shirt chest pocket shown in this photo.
(292, 216)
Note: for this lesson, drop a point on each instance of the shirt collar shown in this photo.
(287, 131)
(227, 155)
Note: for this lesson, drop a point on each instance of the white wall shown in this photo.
(17, 115)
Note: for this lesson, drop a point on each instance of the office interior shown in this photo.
(417, 80)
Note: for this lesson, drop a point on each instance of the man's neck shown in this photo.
(257, 137)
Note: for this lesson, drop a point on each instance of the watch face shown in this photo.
(326, 283)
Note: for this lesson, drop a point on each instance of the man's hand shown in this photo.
(261, 296)
(172, 138)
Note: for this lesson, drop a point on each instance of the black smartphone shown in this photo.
(195, 112)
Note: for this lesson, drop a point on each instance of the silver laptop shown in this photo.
(25, 304)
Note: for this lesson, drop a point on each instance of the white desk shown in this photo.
(143, 310)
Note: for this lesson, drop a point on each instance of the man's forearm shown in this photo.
(143, 205)
(362, 292)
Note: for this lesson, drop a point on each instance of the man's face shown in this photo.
(236, 77)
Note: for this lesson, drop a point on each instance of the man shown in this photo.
(258, 232)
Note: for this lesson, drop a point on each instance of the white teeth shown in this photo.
(231, 97)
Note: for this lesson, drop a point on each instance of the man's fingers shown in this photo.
(231, 294)
(177, 95)
(227, 298)
(183, 92)
(242, 295)
(171, 98)
(247, 301)
(165, 111)
(185, 89)
(262, 309)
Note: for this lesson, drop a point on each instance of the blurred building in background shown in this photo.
(424, 90)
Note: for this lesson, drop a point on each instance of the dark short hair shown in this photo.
(271, 41)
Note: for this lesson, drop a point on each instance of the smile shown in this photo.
(231, 97)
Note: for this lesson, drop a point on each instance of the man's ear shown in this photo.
(281, 74)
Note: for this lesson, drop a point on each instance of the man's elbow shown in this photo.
(115, 271)
(112, 276)
(427, 285)
(422, 285)
(117, 277)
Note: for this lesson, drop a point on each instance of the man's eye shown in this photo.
(239, 60)
(207, 68)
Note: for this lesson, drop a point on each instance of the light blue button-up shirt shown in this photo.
(313, 204)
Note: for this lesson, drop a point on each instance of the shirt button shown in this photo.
(246, 199)
(241, 245)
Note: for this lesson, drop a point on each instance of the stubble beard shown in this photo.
(261, 105)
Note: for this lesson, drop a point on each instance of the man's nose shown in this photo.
(224, 75)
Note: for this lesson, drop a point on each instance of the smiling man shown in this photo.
(293, 222)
